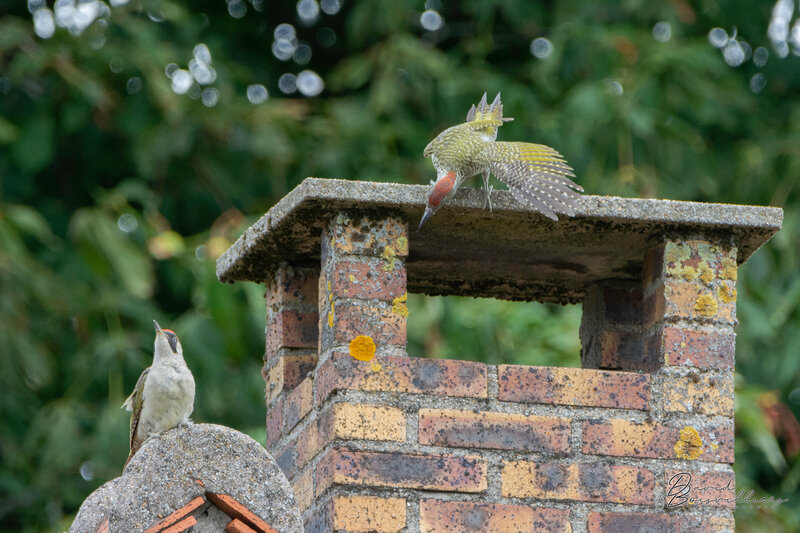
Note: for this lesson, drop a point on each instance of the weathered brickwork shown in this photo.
(374, 440)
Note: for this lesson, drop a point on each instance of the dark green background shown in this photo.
(77, 151)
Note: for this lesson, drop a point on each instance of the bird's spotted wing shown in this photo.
(537, 176)
(134, 405)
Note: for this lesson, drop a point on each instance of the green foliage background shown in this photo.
(78, 151)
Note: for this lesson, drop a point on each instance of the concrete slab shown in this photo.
(512, 253)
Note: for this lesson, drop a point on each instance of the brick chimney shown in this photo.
(640, 438)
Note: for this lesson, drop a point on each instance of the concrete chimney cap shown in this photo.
(512, 253)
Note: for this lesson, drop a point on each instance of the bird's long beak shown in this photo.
(159, 331)
(428, 214)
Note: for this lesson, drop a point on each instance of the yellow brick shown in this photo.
(303, 487)
(372, 422)
(275, 380)
(362, 514)
(707, 395)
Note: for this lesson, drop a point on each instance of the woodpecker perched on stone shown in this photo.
(164, 395)
(536, 175)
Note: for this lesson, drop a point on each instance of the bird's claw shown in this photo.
(488, 200)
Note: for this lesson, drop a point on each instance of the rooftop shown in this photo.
(511, 253)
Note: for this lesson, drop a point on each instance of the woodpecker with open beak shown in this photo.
(164, 394)
(536, 175)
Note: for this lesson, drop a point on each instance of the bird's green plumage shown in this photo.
(536, 175)
(134, 404)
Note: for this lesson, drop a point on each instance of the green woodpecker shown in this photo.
(536, 175)
(164, 395)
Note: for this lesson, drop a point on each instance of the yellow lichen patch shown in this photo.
(705, 273)
(402, 245)
(706, 305)
(388, 255)
(330, 316)
(399, 306)
(727, 268)
(352, 278)
(362, 348)
(688, 273)
(689, 445)
(376, 367)
(726, 294)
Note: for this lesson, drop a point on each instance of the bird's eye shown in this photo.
(172, 339)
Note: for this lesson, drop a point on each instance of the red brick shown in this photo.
(654, 440)
(699, 349)
(296, 369)
(573, 386)
(237, 526)
(298, 404)
(352, 319)
(286, 459)
(592, 482)
(439, 377)
(400, 470)
(437, 516)
(177, 515)
(631, 523)
(292, 329)
(183, 525)
(234, 509)
(610, 522)
(446, 427)
(274, 423)
(622, 306)
(693, 489)
(622, 350)
(367, 279)
(292, 286)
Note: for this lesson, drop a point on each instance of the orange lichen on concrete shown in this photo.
(689, 445)
(362, 348)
